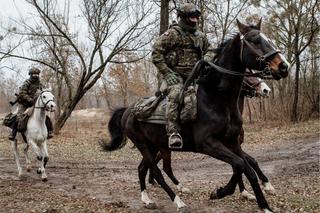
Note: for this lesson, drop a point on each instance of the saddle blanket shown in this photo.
(153, 109)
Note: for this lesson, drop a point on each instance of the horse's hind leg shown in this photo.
(143, 169)
(267, 186)
(14, 146)
(151, 178)
(166, 156)
(150, 163)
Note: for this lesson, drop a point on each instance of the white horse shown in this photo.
(36, 133)
(263, 89)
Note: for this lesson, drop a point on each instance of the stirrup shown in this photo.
(175, 141)
(11, 138)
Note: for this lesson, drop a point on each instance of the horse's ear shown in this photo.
(242, 27)
(259, 24)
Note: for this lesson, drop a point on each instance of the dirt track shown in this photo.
(84, 179)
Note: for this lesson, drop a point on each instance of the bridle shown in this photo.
(44, 103)
(251, 92)
(260, 58)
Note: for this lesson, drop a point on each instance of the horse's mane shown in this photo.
(225, 44)
(221, 48)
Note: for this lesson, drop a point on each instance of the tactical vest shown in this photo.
(31, 90)
(186, 52)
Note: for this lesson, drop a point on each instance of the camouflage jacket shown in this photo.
(27, 92)
(178, 51)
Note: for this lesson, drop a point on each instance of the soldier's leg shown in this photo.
(13, 133)
(175, 140)
(14, 126)
(49, 126)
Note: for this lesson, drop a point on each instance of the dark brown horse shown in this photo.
(218, 125)
(251, 87)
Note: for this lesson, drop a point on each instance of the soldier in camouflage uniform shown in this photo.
(174, 54)
(26, 98)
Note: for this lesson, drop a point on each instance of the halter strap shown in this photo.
(260, 57)
(44, 104)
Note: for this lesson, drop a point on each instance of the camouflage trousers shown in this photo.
(172, 113)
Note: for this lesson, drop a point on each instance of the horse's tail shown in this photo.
(118, 138)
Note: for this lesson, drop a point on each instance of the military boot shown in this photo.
(175, 141)
(50, 134)
(13, 134)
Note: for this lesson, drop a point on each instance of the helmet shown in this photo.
(187, 10)
(34, 70)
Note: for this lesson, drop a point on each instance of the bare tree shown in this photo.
(294, 24)
(79, 64)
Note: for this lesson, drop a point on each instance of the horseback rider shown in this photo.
(26, 99)
(174, 54)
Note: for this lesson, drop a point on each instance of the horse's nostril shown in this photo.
(283, 66)
(265, 91)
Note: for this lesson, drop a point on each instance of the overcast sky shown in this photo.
(12, 10)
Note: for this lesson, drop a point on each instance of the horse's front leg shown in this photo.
(39, 151)
(26, 152)
(44, 160)
(14, 146)
(216, 149)
(26, 155)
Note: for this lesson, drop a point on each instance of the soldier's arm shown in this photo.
(161, 47)
(208, 51)
(23, 93)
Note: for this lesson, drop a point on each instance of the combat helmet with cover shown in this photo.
(188, 10)
(34, 70)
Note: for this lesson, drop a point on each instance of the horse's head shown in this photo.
(46, 100)
(259, 52)
(256, 87)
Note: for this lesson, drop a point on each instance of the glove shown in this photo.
(171, 79)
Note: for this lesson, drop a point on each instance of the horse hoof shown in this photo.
(39, 171)
(44, 179)
(214, 195)
(151, 206)
(268, 188)
(247, 196)
(266, 211)
(28, 170)
(184, 209)
(185, 190)
(20, 176)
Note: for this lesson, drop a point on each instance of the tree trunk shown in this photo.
(249, 111)
(164, 25)
(294, 113)
(68, 110)
(164, 16)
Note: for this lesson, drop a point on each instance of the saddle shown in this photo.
(154, 109)
(21, 119)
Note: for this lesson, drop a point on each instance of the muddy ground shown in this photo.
(82, 178)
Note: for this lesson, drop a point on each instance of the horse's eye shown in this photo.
(43, 96)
